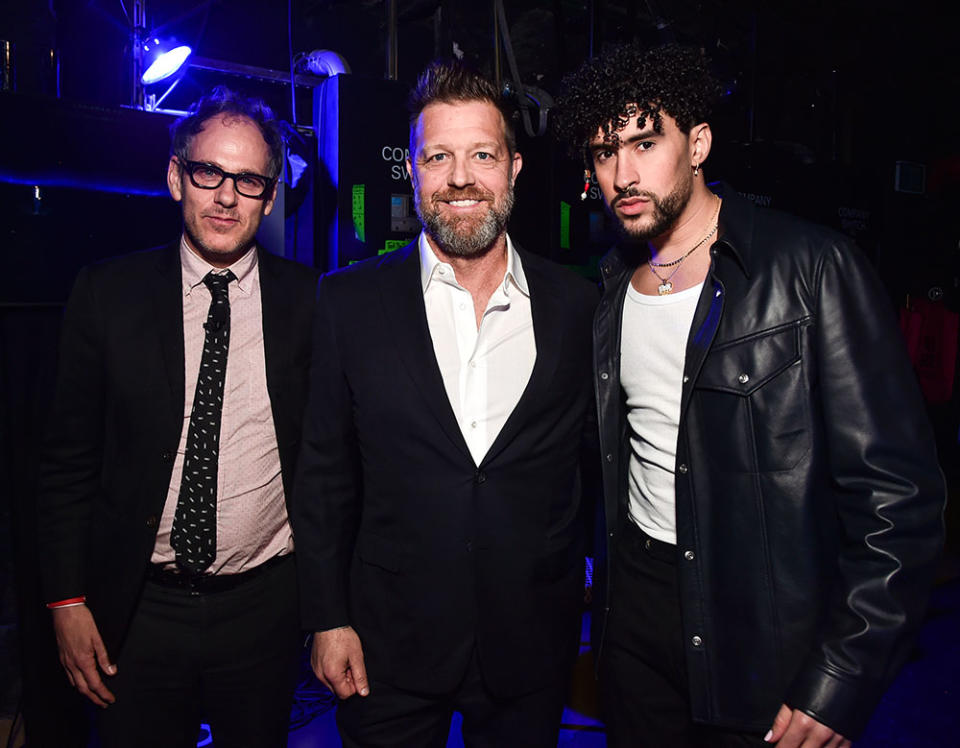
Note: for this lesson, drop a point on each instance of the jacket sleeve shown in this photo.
(71, 458)
(890, 496)
(328, 487)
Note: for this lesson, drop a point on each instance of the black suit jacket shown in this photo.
(118, 413)
(399, 533)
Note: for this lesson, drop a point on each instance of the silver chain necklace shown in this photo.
(666, 286)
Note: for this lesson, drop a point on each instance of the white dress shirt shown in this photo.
(484, 370)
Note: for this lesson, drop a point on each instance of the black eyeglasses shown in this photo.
(209, 177)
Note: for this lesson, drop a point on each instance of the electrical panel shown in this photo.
(366, 199)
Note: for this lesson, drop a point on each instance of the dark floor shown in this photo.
(921, 709)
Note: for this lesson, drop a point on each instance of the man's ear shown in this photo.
(268, 203)
(701, 138)
(516, 165)
(174, 176)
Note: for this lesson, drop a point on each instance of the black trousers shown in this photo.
(229, 658)
(643, 677)
(390, 717)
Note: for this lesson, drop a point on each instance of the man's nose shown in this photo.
(625, 175)
(460, 174)
(226, 193)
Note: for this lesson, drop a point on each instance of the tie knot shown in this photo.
(218, 282)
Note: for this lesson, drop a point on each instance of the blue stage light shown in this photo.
(167, 59)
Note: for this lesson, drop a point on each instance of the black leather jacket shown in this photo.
(809, 502)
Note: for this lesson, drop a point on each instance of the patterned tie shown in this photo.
(194, 533)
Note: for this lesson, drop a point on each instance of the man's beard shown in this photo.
(666, 211)
(464, 236)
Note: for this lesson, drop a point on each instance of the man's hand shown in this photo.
(81, 651)
(337, 660)
(793, 729)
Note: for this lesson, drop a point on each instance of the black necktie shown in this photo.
(194, 533)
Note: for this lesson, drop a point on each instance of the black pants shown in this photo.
(393, 718)
(643, 677)
(229, 657)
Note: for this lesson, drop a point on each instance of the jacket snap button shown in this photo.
(609, 458)
(647, 544)
(682, 469)
(688, 555)
(685, 379)
(604, 375)
(697, 641)
(743, 378)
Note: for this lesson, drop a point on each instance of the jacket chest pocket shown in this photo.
(751, 402)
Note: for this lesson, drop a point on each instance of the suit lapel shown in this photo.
(166, 291)
(401, 293)
(547, 311)
(276, 311)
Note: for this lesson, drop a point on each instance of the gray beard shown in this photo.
(666, 211)
(455, 238)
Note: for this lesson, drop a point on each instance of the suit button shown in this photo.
(152, 520)
(696, 641)
(682, 469)
(609, 458)
(688, 555)
(743, 378)
(480, 477)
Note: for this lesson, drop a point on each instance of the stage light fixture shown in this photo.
(163, 58)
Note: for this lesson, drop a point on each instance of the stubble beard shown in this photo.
(666, 211)
(193, 228)
(238, 249)
(465, 236)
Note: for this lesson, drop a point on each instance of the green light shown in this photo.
(359, 212)
(564, 225)
(392, 244)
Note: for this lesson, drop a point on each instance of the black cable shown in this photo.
(293, 77)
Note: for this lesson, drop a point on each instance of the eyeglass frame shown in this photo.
(189, 166)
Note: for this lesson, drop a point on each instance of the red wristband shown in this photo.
(68, 602)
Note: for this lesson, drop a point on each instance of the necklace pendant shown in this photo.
(664, 288)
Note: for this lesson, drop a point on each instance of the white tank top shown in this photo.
(653, 342)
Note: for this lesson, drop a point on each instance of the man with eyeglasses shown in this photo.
(165, 481)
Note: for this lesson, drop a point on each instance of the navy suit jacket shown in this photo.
(399, 533)
(117, 416)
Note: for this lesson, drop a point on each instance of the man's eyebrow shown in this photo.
(646, 134)
(488, 145)
(642, 135)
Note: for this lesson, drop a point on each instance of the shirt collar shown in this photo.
(195, 268)
(430, 265)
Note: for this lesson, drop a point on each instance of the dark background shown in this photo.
(823, 100)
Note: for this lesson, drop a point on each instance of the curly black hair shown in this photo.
(633, 80)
